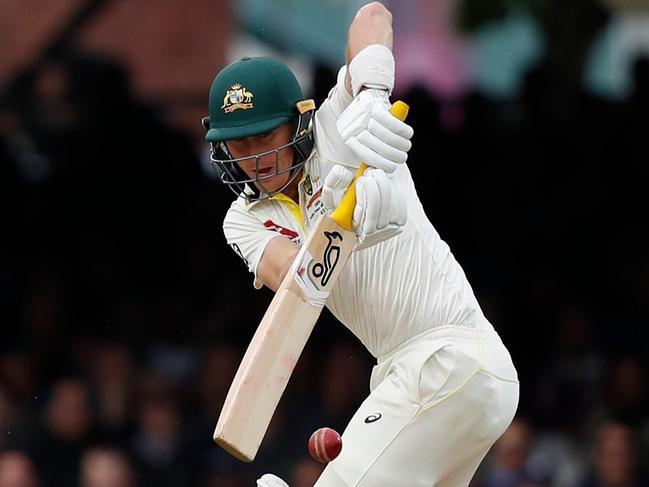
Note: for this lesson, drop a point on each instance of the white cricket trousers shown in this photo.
(437, 404)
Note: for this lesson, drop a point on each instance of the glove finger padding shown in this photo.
(376, 136)
(388, 136)
(373, 192)
(368, 206)
(381, 208)
(384, 186)
(335, 185)
(371, 158)
(392, 123)
(381, 148)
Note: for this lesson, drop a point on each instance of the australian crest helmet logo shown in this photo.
(237, 97)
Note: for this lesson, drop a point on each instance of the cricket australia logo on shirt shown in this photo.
(237, 97)
(308, 185)
(313, 276)
(314, 204)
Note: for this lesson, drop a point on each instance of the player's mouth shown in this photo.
(264, 171)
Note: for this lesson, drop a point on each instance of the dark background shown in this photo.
(123, 314)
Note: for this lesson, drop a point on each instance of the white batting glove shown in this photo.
(376, 136)
(335, 185)
(270, 480)
(381, 207)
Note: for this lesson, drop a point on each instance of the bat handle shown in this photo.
(344, 213)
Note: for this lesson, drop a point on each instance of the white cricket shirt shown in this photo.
(386, 294)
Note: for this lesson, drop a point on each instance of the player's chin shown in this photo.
(274, 184)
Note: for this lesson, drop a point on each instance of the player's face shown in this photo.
(265, 166)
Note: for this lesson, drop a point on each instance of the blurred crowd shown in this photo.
(124, 315)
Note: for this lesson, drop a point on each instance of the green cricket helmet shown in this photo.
(250, 97)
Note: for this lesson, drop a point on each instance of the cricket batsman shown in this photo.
(444, 387)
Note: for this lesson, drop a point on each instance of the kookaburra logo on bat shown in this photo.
(324, 269)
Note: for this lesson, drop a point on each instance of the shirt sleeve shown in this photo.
(248, 237)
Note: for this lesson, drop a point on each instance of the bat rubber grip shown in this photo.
(344, 213)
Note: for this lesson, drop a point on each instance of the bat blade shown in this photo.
(280, 338)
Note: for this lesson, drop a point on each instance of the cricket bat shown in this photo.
(284, 330)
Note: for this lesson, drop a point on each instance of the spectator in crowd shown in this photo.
(157, 442)
(105, 467)
(69, 413)
(17, 372)
(624, 398)
(111, 369)
(568, 386)
(508, 462)
(67, 432)
(614, 460)
(17, 470)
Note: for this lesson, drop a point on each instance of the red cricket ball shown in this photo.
(325, 444)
